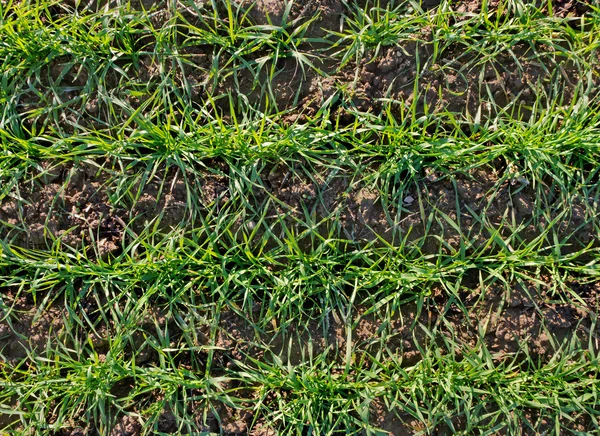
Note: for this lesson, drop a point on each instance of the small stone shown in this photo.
(523, 181)
(409, 199)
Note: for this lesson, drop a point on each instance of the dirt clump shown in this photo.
(388, 420)
(74, 205)
(127, 426)
(526, 319)
(454, 81)
(32, 331)
(160, 200)
(66, 204)
(327, 13)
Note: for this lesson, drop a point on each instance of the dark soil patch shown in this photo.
(65, 203)
(78, 206)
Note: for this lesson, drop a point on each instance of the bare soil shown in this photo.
(80, 206)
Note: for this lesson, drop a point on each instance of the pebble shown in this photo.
(409, 199)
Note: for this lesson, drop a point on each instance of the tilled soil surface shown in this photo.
(81, 207)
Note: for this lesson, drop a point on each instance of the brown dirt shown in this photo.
(389, 421)
(328, 13)
(560, 8)
(368, 213)
(68, 204)
(391, 75)
(127, 426)
(74, 204)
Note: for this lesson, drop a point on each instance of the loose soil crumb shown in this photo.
(74, 205)
(127, 426)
